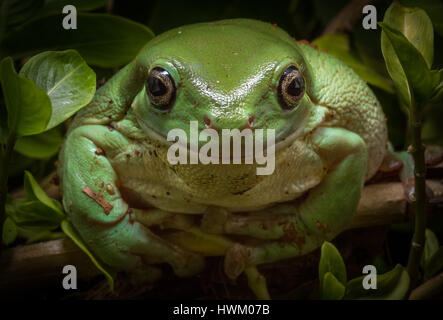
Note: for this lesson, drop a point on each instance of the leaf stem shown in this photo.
(5, 157)
(417, 151)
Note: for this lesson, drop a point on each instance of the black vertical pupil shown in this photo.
(295, 88)
(156, 86)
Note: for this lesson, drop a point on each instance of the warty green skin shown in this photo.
(228, 72)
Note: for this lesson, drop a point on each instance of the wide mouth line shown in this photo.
(278, 143)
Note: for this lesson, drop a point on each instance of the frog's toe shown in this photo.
(236, 260)
(145, 275)
(190, 265)
(214, 220)
(153, 250)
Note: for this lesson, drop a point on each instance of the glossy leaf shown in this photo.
(102, 40)
(18, 11)
(434, 9)
(28, 106)
(71, 233)
(415, 25)
(437, 94)
(331, 261)
(332, 289)
(431, 247)
(40, 146)
(435, 263)
(32, 214)
(66, 78)
(35, 192)
(338, 46)
(33, 235)
(412, 62)
(9, 233)
(393, 285)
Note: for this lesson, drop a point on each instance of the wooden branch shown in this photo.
(428, 290)
(41, 264)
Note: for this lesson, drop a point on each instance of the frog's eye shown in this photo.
(291, 88)
(161, 88)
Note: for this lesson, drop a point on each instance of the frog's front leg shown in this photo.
(325, 212)
(100, 214)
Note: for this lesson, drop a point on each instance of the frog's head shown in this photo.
(225, 75)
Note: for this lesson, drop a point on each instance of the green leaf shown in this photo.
(434, 9)
(102, 40)
(338, 46)
(393, 285)
(332, 289)
(431, 247)
(35, 192)
(435, 263)
(19, 11)
(437, 94)
(34, 235)
(71, 233)
(28, 106)
(415, 25)
(9, 232)
(66, 78)
(331, 261)
(40, 146)
(412, 62)
(33, 215)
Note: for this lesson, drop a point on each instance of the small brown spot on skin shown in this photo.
(99, 151)
(107, 207)
(110, 189)
(128, 156)
(290, 232)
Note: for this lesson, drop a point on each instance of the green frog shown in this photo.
(135, 210)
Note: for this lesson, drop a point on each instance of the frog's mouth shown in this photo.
(269, 143)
